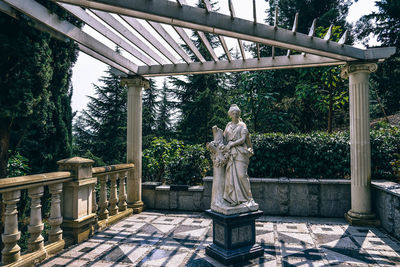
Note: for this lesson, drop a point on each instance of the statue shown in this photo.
(230, 152)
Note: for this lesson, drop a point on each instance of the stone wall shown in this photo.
(386, 204)
(276, 196)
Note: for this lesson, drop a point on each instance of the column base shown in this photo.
(80, 229)
(234, 237)
(361, 219)
(137, 206)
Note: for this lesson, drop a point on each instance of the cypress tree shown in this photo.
(164, 112)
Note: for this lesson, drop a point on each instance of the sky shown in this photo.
(88, 70)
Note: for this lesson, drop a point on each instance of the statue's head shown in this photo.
(234, 111)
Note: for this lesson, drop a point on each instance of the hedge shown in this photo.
(315, 155)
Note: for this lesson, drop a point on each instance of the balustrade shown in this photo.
(58, 184)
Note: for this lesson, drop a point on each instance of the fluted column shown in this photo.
(55, 220)
(134, 140)
(11, 251)
(36, 226)
(360, 149)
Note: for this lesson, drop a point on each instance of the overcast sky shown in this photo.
(88, 70)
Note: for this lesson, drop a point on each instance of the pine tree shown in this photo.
(385, 24)
(101, 128)
(164, 112)
(150, 106)
(202, 98)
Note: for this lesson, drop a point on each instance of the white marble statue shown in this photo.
(230, 152)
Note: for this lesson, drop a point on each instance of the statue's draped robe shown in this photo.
(237, 184)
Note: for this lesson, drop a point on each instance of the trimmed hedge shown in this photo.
(321, 155)
(315, 155)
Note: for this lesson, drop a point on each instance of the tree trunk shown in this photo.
(4, 144)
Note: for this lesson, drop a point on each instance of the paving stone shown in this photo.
(292, 227)
(179, 239)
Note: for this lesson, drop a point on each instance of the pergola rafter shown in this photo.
(180, 15)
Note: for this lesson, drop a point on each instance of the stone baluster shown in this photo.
(94, 200)
(103, 203)
(122, 192)
(11, 235)
(55, 220)
(36, 226)
(113, 209)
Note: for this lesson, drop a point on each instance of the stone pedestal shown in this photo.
(78, 216)
(135, 85)
(234, 237)
(360, 151)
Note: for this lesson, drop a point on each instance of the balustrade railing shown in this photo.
(66, 211)
(10, 189)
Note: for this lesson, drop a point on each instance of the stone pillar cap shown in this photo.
(75, 160)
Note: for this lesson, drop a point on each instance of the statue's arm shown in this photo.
(240, 141)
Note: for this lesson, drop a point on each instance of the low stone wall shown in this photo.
(276, 196)
(386, 204)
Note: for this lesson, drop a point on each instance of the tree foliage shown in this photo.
(35, 114)
(101, 128)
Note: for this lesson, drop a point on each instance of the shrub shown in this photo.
(174, 162)
(315, 155)
(17, 165)
(189, 167)
(321, 155)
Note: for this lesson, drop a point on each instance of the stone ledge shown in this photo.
(387, 186)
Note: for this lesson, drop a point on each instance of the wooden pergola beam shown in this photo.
(41, 14)
(279, 62)
(168, 12)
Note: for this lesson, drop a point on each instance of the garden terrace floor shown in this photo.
(158, 238)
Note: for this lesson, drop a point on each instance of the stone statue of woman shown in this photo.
(231, 192)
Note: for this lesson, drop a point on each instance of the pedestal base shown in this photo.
(137, 207)
(361, 219)
(234, 237)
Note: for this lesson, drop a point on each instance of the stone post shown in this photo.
(113, 209)
(360, 150)
(78, 216)
(122, 194)
(135, 85)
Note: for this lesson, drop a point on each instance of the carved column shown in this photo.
(103, 203)
(55, 220)
(360, 151)
(113, 194)
(11, 235)
(122, 192)
(134, 140)
(36, 226)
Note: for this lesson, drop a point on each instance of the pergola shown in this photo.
(109, 17)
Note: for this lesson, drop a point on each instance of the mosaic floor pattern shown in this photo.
(156, 238)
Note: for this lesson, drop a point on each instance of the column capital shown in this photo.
(357, 67)
(135, 81)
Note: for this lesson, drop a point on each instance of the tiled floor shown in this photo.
(178, 239)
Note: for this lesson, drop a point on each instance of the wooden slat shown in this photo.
(103, 30)
(168, 38)
(121, 29)
(225, 47)
(207, 45)
(40, 13)
(134, 23)
(189, 43)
